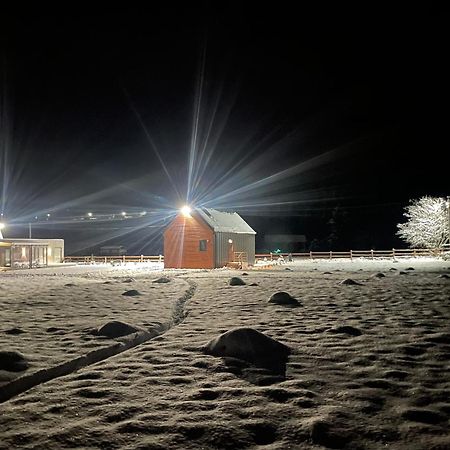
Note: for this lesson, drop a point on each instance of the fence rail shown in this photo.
(113, 259)
(241, 257)
(350, 254)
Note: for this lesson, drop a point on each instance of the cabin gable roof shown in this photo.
(224, 222)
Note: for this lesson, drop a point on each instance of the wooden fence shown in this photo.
(351, 254)
(122, 259)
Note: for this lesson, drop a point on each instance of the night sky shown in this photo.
(308, 121)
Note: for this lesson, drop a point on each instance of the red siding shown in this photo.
(182, 244)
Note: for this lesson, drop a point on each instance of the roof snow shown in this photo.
(224, 222)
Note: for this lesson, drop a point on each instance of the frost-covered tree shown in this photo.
(427, 224)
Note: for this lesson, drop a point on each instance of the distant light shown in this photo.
(186, 211)
(48, 214)
(89, 214)
(230, 241)
(143, 213)
(123, 213)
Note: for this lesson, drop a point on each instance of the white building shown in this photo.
(29, 253)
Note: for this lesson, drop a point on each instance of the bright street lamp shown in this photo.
(186, 211)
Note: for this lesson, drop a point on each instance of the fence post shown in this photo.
(371, 253)
(142, 258)
(310, 255)
(351, 255)
(393, 253)
(123, 259)
(331, 254)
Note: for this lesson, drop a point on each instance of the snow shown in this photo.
(368, 367)
(368, 264)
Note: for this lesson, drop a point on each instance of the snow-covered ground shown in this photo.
(366, 264)
(368, 369)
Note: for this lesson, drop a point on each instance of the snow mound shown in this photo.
(131, 293)
(116, 329)
(249, 345)
(13, 361)
(236, 281)
(283, 298)
(349, 281)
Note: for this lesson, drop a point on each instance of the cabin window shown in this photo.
(202, 245)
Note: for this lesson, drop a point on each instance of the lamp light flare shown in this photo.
(186, 210)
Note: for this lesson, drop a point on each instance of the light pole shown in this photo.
(448, 219)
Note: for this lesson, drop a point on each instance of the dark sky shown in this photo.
(283, 86)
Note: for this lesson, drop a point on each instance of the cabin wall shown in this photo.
(182, 244)
(241, 243)
(55, 251)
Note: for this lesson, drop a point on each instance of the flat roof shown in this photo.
(25, 241)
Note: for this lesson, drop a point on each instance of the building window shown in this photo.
(202, 245)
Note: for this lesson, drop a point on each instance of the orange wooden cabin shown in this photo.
(206, 239)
